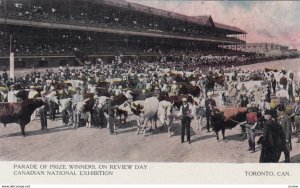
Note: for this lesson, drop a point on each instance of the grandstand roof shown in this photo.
(227, 27)
(205, 20)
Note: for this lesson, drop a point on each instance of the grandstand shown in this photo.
(56, 32)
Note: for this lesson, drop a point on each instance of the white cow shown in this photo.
(150, 109)
(165, 114)
(145, 109)
(75, 83)
(188, 74)
(198, 111)
(66, 109)
(164, 71)
(80, 110)
(32, 94)
(149, 112)
(100, 104)
(52, 97)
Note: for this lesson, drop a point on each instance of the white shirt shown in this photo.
(282, 93)
(264, 106)
(148, 86)
(190, 108)
(11, 96)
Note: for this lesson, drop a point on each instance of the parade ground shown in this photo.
(63, 143)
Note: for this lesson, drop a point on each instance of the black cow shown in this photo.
(227, 119)
(23, 94)
(176, 100)
(118, 100)
(189, 89)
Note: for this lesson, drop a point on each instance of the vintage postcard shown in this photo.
(149, 91)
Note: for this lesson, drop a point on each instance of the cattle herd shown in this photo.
(145, 91)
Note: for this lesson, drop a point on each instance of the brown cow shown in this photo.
(61, 86)
(269, 70)
(19, 112)
(103, 84)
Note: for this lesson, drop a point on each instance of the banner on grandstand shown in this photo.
(12, 65)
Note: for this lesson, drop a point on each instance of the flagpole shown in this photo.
(10, 39)
(11, 60)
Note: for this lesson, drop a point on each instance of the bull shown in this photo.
(227, 118)
(66, 109)
(19, 112)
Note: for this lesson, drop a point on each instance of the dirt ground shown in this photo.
(62, 143)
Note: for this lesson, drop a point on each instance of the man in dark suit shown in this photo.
(210, 104)
(272, 141)
(43, 117)
(185, 113)
(110, 116)
(273, 84)
(285, 122)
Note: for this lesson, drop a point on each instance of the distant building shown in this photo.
(266, 49)
(294, 52)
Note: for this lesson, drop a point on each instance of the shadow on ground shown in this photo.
(39, 132)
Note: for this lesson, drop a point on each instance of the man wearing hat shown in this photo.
(110, 116)
(285, 122)
(273, 83)
(77, 97)
(244, 101)
(174, 89)
(268, 95)
(43, 115)
(210, 104)
(251, 122)
(264, 105)
(290, 89)
(283, 96)
(272, 140)
(10, 82)
(185, 113)
(11, 96)
(297, 117)
(243, 88)
(52, 105)
(5, 76)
